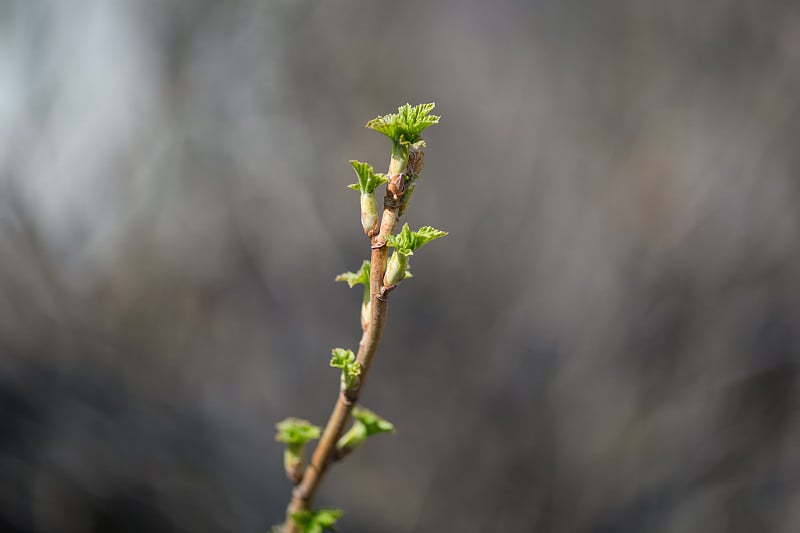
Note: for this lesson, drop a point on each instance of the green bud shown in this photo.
(395, 269)
(365, 424)
(351, 369)
(354, 438)
(316, 521)
(369, 214)
(295, 433)
(293, 463)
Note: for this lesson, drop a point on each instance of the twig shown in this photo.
(303, 494)
(404, 129)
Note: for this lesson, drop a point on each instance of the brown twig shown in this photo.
(303, 494)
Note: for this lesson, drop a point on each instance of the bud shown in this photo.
(395, 269)
(295, 432)
(365, 424)
(351, 440)
(369, 214)
(397, 185)
(365, 312)
(293, 463)
(407, 197)
(416, 157)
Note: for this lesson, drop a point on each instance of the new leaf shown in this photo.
(405, 126)
(355, 278)
(295, 431)
(316, 521)
(365, 424)
(368, 180)
(346, 360)
(407, 241)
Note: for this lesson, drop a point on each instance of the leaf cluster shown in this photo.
(355, 278)
(346, 360)
(405, 126)
(407, 241)
(368, 179)
(296, 431)
(365, 424)
(371, 422)
(316, 521)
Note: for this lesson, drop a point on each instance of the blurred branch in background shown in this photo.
(630, 170)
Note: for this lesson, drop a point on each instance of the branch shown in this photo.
(303, 494)
(404, 128)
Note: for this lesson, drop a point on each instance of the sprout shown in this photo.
(365, 424)
(295, 433)
(405, 243)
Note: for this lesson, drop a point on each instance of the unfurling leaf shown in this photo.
(368, 180)
(407, 241)
(404, 244)
(355, 278)
(372, 422)
(365, 424)
(316, 521)
(296, 431)
(405, 126)
(351, 369)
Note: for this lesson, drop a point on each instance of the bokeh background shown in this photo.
(607, 341)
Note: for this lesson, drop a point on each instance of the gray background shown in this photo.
(607, 341)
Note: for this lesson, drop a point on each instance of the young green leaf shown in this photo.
(407, 125)
(355, 278)
(340, 357)
(426, 234)
(316, 521)
(365, 424)
(296, 431)
(404, 244)
(373, 423)
(407, 241)
(368, 180)
(351, 369)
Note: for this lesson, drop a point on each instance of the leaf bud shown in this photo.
(395, 269)
(369, 214)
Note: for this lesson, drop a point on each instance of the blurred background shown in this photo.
(607, 341)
